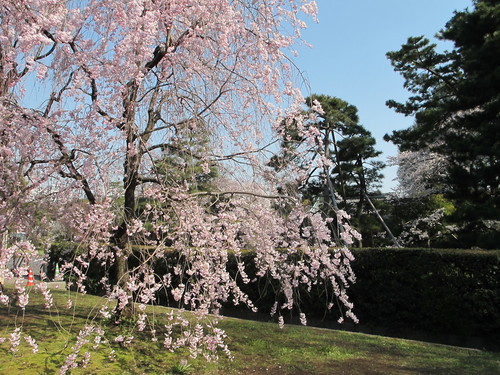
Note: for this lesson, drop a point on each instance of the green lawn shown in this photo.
(258, 348)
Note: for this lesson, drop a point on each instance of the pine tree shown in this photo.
(456, 104)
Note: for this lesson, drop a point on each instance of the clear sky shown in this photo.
(348, 56)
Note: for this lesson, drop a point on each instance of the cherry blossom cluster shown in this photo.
(416, 169)
(14, 339)
(422, 228)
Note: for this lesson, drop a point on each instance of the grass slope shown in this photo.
(258, 348)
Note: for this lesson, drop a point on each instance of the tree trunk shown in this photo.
(123, 245)
(120, 277)
(121, 239)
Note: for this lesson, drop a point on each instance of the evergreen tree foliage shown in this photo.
(456, 104)
(185, 158)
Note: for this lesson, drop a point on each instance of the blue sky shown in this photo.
(348, 56)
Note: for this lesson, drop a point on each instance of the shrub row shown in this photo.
(452, 296)
(447, 292)
(442, 293)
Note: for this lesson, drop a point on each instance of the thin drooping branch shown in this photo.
(146, 179)
(243, 153)
(237, 192)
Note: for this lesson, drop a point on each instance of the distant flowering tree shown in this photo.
(420, 173)
(95, 92)
(423, 229)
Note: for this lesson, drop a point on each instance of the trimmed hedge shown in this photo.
(452, 296)
(447, 292)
